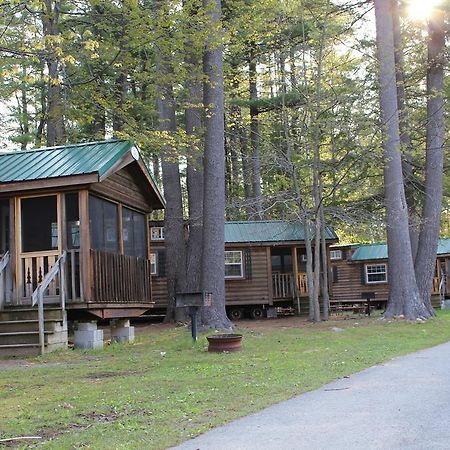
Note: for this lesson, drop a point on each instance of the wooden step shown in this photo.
(20, 337)
(20, 313)
(7, 326)
(19, 331)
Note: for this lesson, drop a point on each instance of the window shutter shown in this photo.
(248, 263)
(161, 263)
(344, 254)
(335, 274)
(363, 274)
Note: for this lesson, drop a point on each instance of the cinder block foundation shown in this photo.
(87, 336)
(445, 304)
(121, 331)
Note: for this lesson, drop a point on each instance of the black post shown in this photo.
(193, 314)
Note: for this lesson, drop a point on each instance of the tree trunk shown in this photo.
(120, 90)
(430, 226)
(309, 267)
(55, 124)
(213, 252)
(325, 292)
(194, 177)
(173, 222)
(404, 298)
(255, 138)
(405, 140)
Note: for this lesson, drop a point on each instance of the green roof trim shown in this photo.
(370, 252)
(268, 231)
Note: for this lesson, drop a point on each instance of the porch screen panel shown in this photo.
(4, 226)
(39, 224)
(72, 221)
(134, 233)
(104, 225)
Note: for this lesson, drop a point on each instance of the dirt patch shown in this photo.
(100, 375)
(11, 363)
(300, 322)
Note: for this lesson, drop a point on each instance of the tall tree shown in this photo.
(173, 221)
(429, 231)
(50, 21)
(213, 253)
(404, 297)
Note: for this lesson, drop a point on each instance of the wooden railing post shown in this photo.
(4, 261)
(38, 296)
(41, 320)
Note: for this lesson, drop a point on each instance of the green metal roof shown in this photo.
(370, 251)
(379, 251)
(67, 160)
(268, 231)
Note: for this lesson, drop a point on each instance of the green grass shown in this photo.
(132, 396)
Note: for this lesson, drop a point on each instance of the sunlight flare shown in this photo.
(420, 9)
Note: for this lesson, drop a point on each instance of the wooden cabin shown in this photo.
(265, 266)
(86, 206)
(358, 270)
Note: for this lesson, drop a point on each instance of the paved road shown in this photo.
(403, 404)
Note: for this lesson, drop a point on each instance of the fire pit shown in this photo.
(224, 343)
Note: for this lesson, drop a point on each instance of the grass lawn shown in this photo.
(163, 389)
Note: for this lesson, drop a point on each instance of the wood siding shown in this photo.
(159, 283)
(349, 285)
(126, 186)
(254, 289)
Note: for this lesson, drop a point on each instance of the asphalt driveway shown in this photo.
(402, 404)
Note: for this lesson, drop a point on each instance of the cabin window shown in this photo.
(133, 234)
(153, 264)
(72, 221)
(104, 225)
(376, 273)
(157, 233)
(39, 224)
(233, 264)
(4, 226)
(335, 255)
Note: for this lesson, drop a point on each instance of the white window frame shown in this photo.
(159, 232)
(335, 255)
(153, 263)
(366, 270)
(235, 277)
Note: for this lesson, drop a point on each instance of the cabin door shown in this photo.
(39, 246)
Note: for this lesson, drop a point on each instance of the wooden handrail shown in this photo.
(4, 261)
(38, 294)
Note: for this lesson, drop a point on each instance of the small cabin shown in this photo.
(360, 270)
(89, 203)
(265, 266)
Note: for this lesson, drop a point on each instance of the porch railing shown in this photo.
(57, 271)
(120, 279)
(302, 283)
(436, 285)
(283, 285)
(35, 266)
(4, 262)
